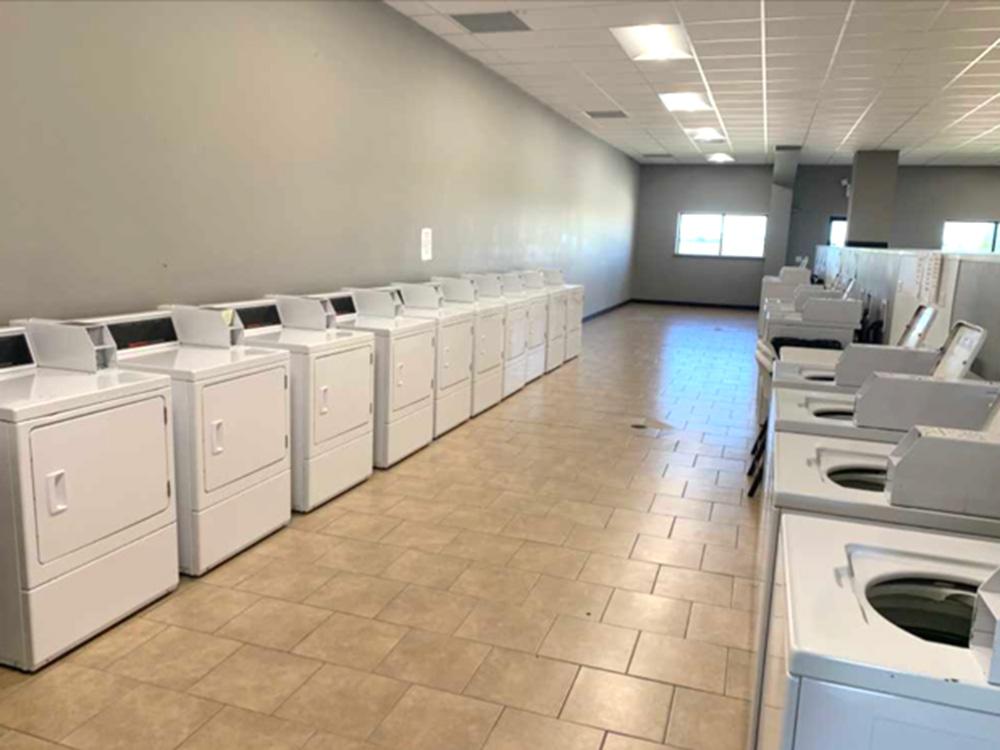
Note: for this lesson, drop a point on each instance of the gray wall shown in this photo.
(668, 191)
(188, 152)
(926, 197)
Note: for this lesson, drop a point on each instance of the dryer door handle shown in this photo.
(218, 437)
(399, 371)
(324, 399)
(56, 492)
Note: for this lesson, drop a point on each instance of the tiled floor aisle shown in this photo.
(545, 577)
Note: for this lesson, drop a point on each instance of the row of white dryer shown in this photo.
(877, 607)
(138, 445)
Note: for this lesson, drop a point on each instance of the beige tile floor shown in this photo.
(548, 576)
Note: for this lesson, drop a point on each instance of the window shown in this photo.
(721, 235)
(838, 231)
(969, 236)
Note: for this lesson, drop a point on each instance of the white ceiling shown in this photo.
(834, 76)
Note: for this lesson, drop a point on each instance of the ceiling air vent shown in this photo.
(606, 114)
(657, 156)
(491, 23)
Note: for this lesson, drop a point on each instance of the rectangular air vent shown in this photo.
(657, 156)
(491, 23)
(606, 114)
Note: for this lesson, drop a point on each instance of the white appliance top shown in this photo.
(263, 326)
(304, 341)
(846, 581)
(427, 301)
(960, 351)
(809, 472)
(149, 342)
(803, 355)
(29, 391)
(32, 393)
(819, 413)
(200, 362)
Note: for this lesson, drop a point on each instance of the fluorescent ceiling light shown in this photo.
(708, 135)
(685, 101)
(720, 158)
(655, 41)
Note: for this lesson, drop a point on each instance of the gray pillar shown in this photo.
(873, 197)
(779, 213)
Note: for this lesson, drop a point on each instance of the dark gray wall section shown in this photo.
(664, 193)
(203, 151)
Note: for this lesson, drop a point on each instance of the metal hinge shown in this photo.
(168, 488)
(166, 417)
(286, 382)
(371, 358)
(286, 441)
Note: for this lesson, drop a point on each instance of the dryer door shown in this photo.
(454, 354)
(97, 474)
(537, 323)
(342, 400)
(517, 332)
(412, 369)
(557, 316)
(244, 425)
(574, 310)
(490, 332)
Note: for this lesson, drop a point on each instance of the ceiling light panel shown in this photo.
(705, 135)
(653, 42)
(720, 158)
(685, 101)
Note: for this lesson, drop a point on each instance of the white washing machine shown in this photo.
(455, 345)
(491, 286)
(935, 478)
(405, 354)
(574, 310)
(871, 647)
(90, 523)
(536, 302)
(332, 392)
(858, 362)
(556, 298)
(489, 326)
(231, 426)
(885, 407)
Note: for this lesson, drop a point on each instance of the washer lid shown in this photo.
(836, 631)
(826, 475)
(32, 393)
(819, 413)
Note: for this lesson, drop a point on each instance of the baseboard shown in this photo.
(694, 304)
(606, 310)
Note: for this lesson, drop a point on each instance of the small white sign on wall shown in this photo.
(426, 244)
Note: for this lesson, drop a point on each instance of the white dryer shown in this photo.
(454, 352)
(871, 646)
(231, 426)
(491, 286)
(405, 352)
(574, 310)
(332, 392)
(556, 298)
(90, 524)
(489, 326)
(536, 302)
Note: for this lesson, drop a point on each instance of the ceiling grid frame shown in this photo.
(831, 76)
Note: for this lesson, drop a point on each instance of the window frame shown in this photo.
(993, 243)
(829, 230)
(722, 231)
